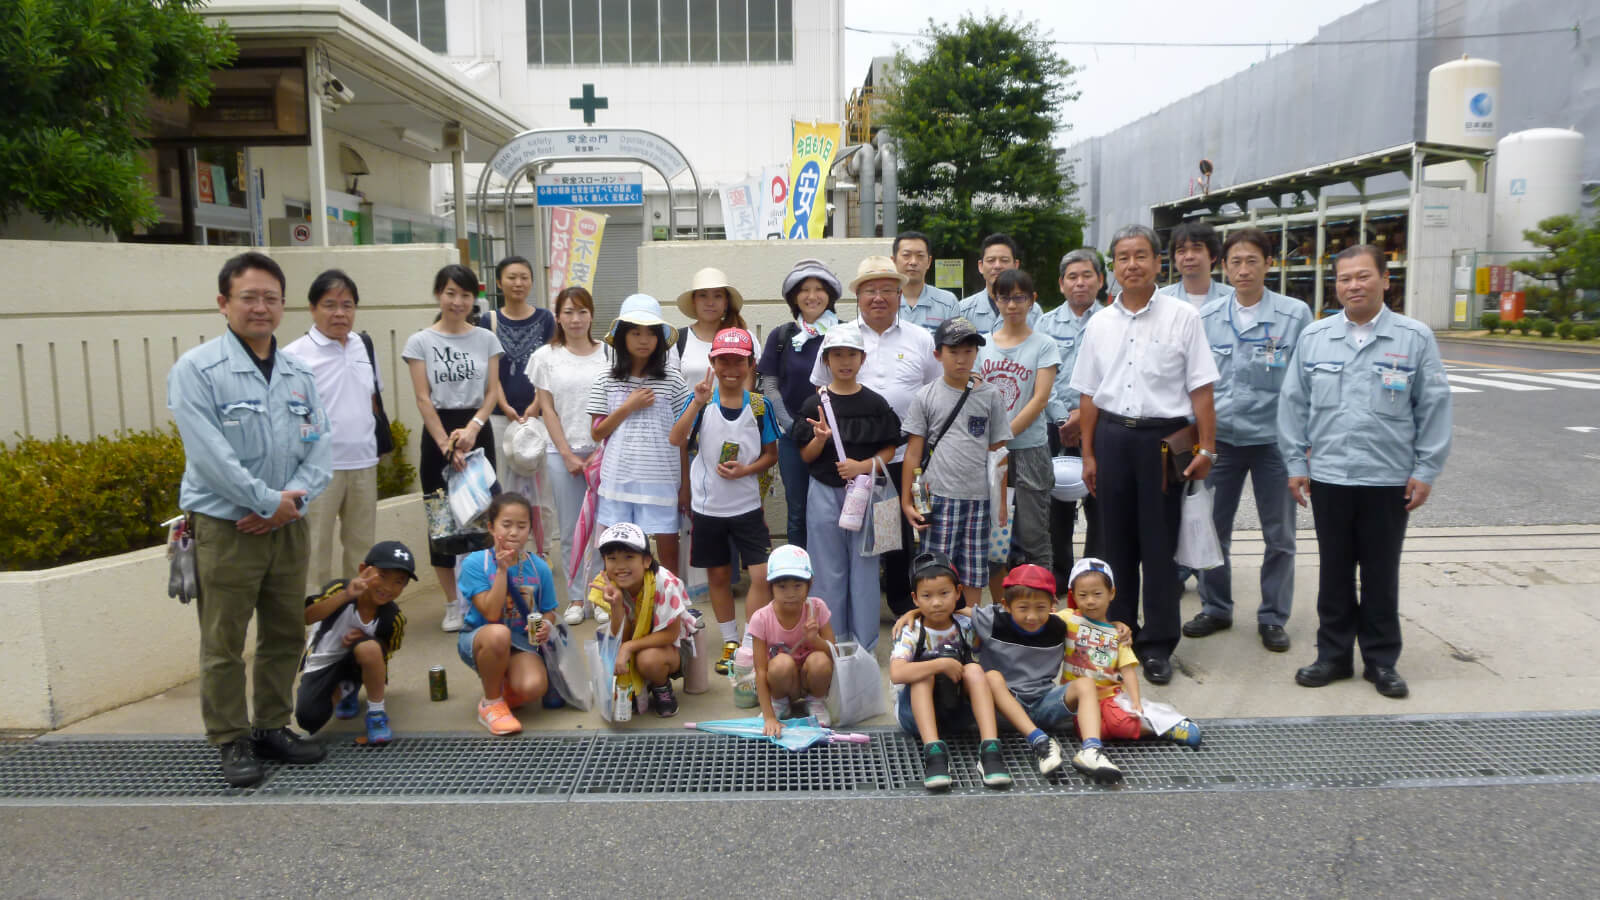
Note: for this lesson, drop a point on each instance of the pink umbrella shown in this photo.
(581, 557)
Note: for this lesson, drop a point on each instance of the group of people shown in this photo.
(656, 432)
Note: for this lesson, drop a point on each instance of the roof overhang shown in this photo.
(400, 87)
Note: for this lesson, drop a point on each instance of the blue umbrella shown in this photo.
(798, 734)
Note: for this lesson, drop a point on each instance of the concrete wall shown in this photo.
(97, 363)
(81, 639)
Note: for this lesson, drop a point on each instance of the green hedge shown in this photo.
(1584, 332)
(1489, 321)
(66, 501)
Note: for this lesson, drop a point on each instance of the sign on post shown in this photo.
(589, 189)
(587, 143)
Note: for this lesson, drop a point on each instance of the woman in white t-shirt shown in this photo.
(561, 372)
(455, 374)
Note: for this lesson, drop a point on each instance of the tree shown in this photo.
(973, 119)
(1570, 265)
(78, 76)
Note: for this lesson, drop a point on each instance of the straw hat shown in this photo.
(704, 279)
(873, 268)
(641, 309)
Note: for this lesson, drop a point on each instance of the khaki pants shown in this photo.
(351, 498)
(243, 575)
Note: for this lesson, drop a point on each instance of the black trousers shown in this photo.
(896, 576)
(1139, 533)
(1064, 521)
(1358, 527)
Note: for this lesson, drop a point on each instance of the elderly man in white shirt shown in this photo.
(1144, 368)
(899, 362)
(348, 384)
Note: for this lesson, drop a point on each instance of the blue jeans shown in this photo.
(796, 483)
(1049, 712)
(841, 576)
(1275, 507)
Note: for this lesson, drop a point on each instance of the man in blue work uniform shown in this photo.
(1364, 427)
(1195, 251)
(997, 254)
(254, 454)
(921, 303)
(1252, 335)
(1082, 275)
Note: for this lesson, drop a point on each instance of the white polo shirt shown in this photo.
(1144, 364)
(345, 384)
(899, 362)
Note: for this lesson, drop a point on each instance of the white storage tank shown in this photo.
(1538, 173)
(1463, 106)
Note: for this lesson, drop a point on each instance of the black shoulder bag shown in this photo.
(927, 448)
(381, 430)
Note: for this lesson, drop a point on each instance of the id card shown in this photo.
(309, 433)
(1396, 380)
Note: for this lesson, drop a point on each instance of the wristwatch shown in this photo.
(299, 503)
(1208, 454)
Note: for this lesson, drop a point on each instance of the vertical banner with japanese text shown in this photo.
(774, 200)
(740, 206)
(574, 248)
(813, 149)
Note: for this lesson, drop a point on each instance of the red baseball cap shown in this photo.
(732, 342)
(1032, 576)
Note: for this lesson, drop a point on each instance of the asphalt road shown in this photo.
(1522, 841)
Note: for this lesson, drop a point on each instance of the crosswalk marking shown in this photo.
(1541, 379)
(1503, 385)
(1584, 375)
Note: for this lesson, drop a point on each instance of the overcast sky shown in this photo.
(1118, 84)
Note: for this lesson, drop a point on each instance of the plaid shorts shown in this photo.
(960, 530)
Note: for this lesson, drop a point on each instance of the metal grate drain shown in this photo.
(1239, 754)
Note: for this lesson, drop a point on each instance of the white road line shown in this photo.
(1503, 385)
(1590, 376)
(1541, 379)
(1458, 389)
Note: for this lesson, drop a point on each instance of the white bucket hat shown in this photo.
(706, 279)
(641, 309)
(1069, 479)
(525, 444)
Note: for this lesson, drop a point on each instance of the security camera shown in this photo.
(335, 93)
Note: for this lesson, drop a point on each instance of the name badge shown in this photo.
(1396, 380)
(1272, 356)
(309, 433)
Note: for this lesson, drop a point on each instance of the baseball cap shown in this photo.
(847, 336)
(1091, 564)
(930, 564)
(1031, 576)
(956, 331)
(625, 534)
(789, 561)
(732, 342)
(392, 555)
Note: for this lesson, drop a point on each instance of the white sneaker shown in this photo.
(1093, 764)
(1049, 753)
(818, 707)
(574, 614)
(601, 617)
(453, 620)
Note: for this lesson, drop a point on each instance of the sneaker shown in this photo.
(284, 745)
(1186, 733)
(725, 664)
(601, 617)
(378, 728)
(574, 614)
(662, 698)
(1093, 764)
(497, 717)
(936, 766)
(349, 704)
(992, 766)
(240, 768)
(1048, 749)
(818, 708)
(453, 620)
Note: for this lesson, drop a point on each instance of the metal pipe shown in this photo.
(868, 194)
(887, 160)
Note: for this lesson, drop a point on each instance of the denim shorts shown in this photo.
(519, 644)
(959, 721)
(652, 518)
(1049, 711)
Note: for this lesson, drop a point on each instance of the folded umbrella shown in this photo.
(798, 734)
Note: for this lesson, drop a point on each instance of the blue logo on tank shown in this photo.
(1481, 104)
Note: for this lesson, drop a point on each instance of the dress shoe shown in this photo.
(1158, 670)
(284, 745)
(1205, 624)
(1322, 673)
(1389, 682)
(240, 768)
(1274, 638)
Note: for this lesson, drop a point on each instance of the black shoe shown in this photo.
(1205, 625)
(936, 766)
(1158, 670)
(284, 745)
(1322, 673)
(1389, 682)
(663, 700)
(1274, 638)
(240, 768)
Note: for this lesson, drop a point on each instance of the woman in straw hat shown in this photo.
(712, 304)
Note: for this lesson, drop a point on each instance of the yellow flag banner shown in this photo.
(574, 248)
(812, 155)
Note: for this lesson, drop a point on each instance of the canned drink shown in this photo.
(438, 689)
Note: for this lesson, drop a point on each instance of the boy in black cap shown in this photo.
(952, 425)
(359, 626)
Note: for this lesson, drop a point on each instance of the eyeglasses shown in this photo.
(874, 293)
(253, 299)
(1014, 300)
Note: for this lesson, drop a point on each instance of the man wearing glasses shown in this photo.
(255, 448)
(997, 254)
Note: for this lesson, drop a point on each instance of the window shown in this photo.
(535, 33)
(586, 31)
(635, 32)
(785, 30)
(403, 15)
(431, 28)
(674, 30)
(614, 31)
(731, 28)
(422, 20)
(763, 30)
(557, 33)
(646, 32)
(703, 31)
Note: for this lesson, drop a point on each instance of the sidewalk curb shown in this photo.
(1557, 344)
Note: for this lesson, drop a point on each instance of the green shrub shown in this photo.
(1523, 325)
(1584, 332)
(1489, 321)
(396, 476)
(1545, 327)
(1565, 329)
(66, 501)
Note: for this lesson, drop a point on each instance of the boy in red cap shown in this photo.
(728, 451)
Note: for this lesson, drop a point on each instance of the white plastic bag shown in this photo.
(856, 693)
(883, 526)
(696, 586)
(601, 655)
(999, 501)
(564, 662)
(1198, 547)
(472, 488)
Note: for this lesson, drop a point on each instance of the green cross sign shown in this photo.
(588, 103)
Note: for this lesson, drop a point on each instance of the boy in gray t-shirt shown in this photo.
(958, 523)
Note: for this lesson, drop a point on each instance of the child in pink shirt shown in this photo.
(791, 642)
